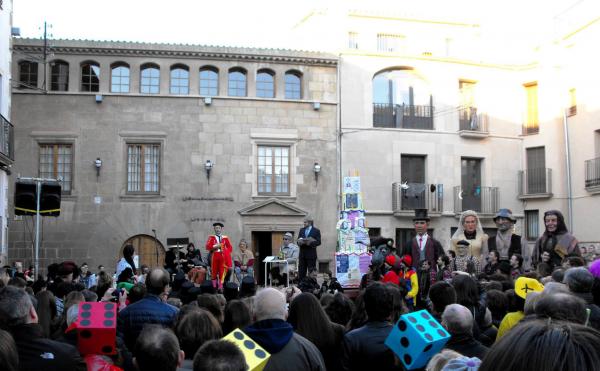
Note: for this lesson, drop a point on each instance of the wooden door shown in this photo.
(150, 251)
(276, 242)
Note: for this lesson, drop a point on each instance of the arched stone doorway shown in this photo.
(149, 250)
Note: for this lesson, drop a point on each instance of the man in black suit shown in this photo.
(309, 238)
(422, 246)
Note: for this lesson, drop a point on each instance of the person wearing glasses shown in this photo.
(289, 251)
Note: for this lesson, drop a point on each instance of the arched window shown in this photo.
(119, 79)
(293, 85)
(209, 81)
(180, 79)
(28, 74)
(59, 76)
(237, 82)
(265, 84)
(150, 79)
(402, 98)
(90, 77)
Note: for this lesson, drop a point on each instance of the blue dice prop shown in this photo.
(415, 338)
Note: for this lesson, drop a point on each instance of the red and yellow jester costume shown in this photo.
(221, 249)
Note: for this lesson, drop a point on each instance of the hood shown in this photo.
(271, 334)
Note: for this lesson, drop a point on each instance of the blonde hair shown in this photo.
(438, 361)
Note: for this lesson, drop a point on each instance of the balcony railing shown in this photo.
(7, 147)
(592, 173)
(535, 183)
(471, 120)
(402, 116)
(411, 196)
(484, 200)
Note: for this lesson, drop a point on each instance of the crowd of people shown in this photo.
(500, 313)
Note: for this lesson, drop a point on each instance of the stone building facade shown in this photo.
(156, 116)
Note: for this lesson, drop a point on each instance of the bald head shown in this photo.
(157, 281)
(269, 304)
(457, 319)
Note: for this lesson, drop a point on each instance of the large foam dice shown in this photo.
(415, 338)
(97, 328)
(256, 357)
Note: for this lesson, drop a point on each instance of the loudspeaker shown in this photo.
(50, 200)
(25, 198)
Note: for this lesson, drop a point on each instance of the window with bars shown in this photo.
(532, 225)
(150, 80)
(90, 77)
(293, 85)
(237, 83)
(389, 43)
(143, 168)
(265, 84)
(209, 81)
(180, 80)
(56, 162)
(119, 80)
(59, 76)
(273, 170)
(28, 74)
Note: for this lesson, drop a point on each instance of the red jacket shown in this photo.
(226, 247)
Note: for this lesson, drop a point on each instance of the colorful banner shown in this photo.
(352, 257)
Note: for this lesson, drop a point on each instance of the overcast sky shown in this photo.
(221, 22)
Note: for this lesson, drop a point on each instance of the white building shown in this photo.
(6, 131)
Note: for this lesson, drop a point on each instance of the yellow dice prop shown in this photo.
(256, 357)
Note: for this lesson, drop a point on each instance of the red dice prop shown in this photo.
(97, 328)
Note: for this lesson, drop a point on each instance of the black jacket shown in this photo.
(467, 346)
(39, 354)
(364, 349)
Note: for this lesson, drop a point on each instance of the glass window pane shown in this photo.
(292, 86)
(150, 81)
(237, 84)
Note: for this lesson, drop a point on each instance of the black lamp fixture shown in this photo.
(316, 170)
(98, 165)
(208, 165)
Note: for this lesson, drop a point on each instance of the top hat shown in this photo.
(505, 213)
(218, 224)
(421, 214)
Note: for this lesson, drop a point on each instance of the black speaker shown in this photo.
(25, 198)
(50, 200)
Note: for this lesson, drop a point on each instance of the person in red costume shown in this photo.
(220, 247)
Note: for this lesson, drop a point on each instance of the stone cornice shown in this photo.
(124, 49)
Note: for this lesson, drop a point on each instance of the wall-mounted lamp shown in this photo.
(208, 167)
(99, 98)
(316, 170)
(208, 101)
(98, 165)
(316, 106)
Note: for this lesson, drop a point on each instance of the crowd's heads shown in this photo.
(379, 302)
(231, 290)
(438, 361)
(467, 293)
(247, 287)
(211, 304)
(441, 295)
(157, 349)
(458, 320)
(9, 359)
(545, 346)
(157, 281)
(270, 304)
(237, 315)
(15, 307)
(67, 271)
(219, 355)
(579, 280)
(516, 261)
(195, 328)
(340, 309)
(561, 306)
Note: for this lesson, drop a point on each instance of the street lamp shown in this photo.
(208, 167)
(98, 165)
(316, 170)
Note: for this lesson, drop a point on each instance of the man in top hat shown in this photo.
(220, 247)
(422, 246)
(506, 242)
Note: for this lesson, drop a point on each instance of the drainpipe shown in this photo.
(339, 136)
(568, 166)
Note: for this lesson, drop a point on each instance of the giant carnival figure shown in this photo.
(380, 248)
